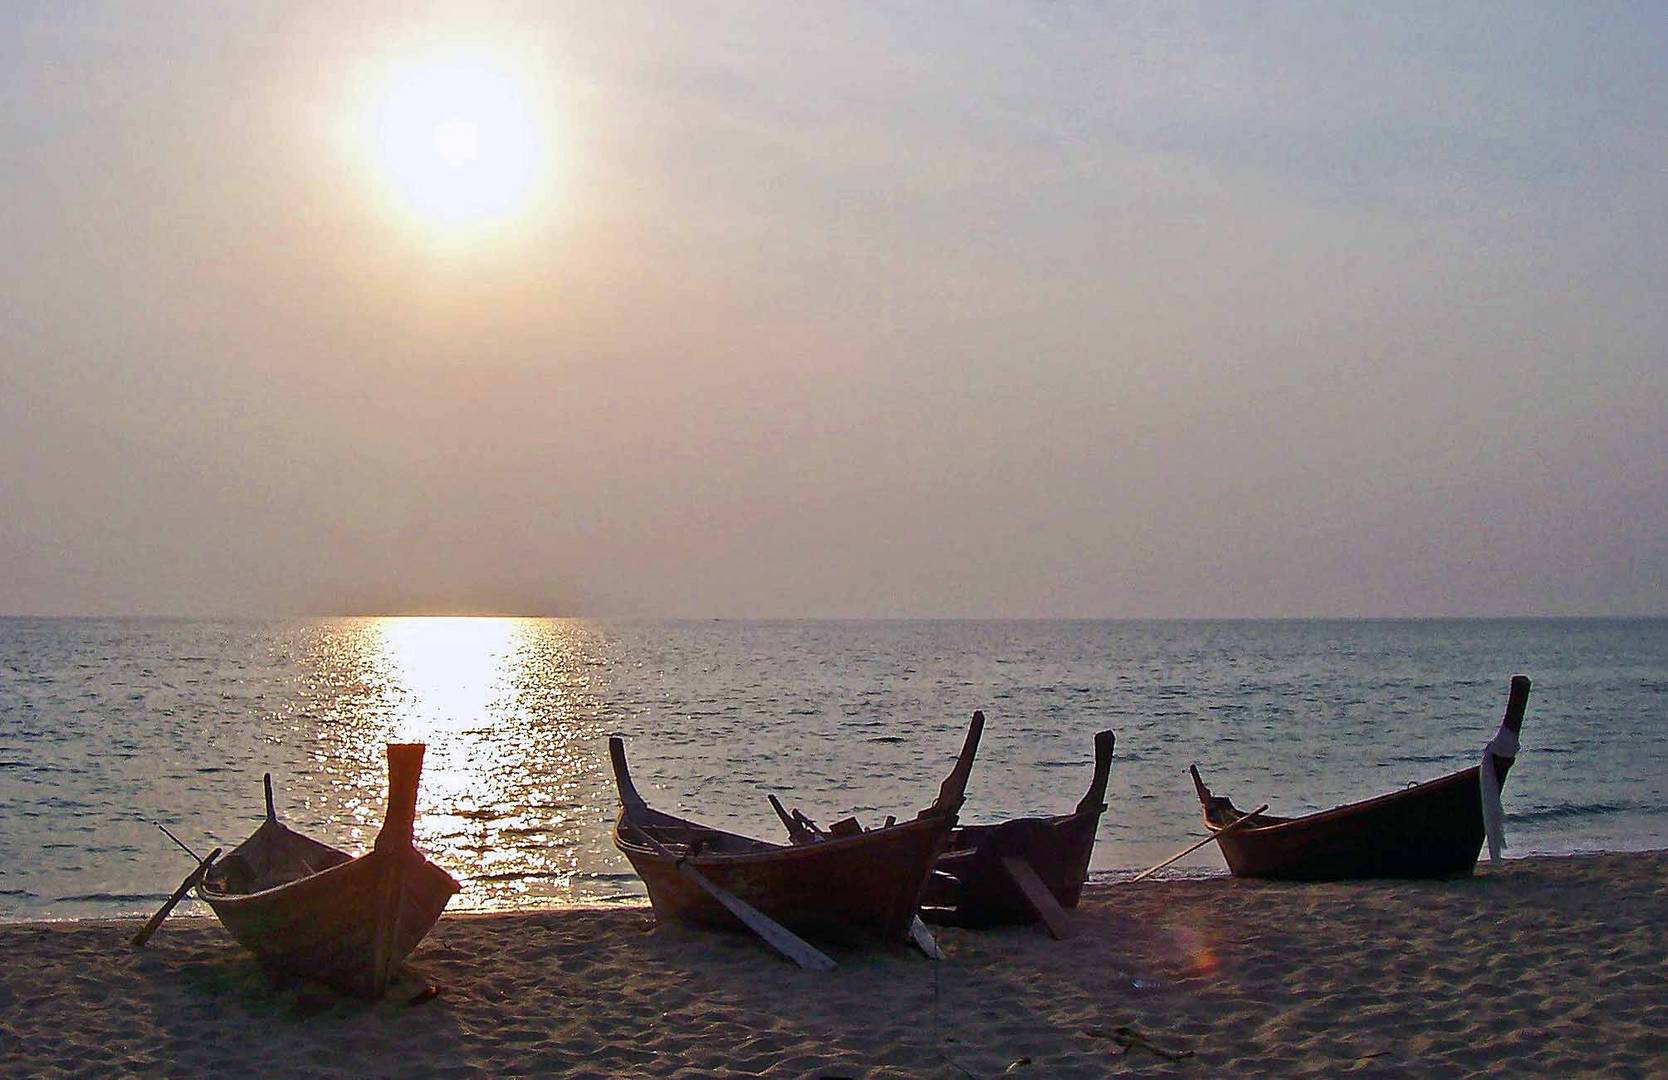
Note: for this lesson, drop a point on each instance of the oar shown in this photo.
(186, 886)
(776, 935)
(1151, 870)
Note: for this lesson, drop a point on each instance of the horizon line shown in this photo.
(619, 617)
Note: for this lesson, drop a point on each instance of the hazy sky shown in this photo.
(837, 310)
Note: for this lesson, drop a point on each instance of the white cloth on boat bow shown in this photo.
(1504, 744)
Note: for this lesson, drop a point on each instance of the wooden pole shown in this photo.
(191, 882)
(776, 935)
(178, 841)
(1151, 870)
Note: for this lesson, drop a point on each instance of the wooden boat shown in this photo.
(308, 909)
(1431, 830)
(864, 886)
(975, 883)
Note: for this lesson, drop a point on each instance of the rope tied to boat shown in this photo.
(1503, 745)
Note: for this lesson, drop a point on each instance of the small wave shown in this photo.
(486, 814)
(887, 739)
(518, 875)
(110, 898)
(25, 893)
(1567, 810)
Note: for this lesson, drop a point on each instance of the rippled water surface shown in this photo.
(110, 726)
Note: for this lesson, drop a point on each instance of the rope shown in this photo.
(937, 1036)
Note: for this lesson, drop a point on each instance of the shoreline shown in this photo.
(1182, 873)
(1542, 966)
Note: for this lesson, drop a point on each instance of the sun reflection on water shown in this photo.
(512, 775)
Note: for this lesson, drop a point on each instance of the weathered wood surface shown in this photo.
(1038, 897)
(864, 886)
(973, 887)
(309, 909)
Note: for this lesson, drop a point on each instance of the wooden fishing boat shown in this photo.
(1430, 830)
(863, 886)
(976, 881)
(308, 909)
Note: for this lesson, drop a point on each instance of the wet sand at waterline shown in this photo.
(1537, 967)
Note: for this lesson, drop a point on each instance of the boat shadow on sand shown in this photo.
(203, 969)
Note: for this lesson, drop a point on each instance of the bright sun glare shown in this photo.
(459, 141)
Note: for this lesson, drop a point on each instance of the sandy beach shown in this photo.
(1539, 967)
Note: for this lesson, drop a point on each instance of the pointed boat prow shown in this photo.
(622, 775)
(1199, 789)
(1095, 798)
(953, 792)
(1517, 700)
(1503, 748)
(405, 769)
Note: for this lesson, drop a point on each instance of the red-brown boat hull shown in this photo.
(859, 885)
(972, 887)
(982, 893)
(1430, 830)
(863, 887)
(1434, 830)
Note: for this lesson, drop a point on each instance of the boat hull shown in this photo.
(978, 891)
(853, 889)
(974, 887)
(1432, 830)
(350, 927)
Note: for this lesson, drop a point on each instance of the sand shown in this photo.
(1539, 967)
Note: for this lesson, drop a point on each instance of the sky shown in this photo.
(834, 310)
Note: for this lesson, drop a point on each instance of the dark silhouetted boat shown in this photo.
(1430, 830)
(308, 909)
(861, 886)
(974, 881)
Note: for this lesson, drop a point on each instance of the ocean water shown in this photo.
(108, 727)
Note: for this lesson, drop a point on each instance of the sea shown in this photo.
(110, 728)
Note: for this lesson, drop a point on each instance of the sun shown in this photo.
(457, 141)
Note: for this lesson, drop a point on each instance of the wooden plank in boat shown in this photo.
(1038, 897)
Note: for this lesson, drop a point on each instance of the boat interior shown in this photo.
(1220, 812)
(273, 856)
